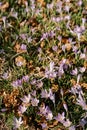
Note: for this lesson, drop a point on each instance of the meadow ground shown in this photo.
(43, 64)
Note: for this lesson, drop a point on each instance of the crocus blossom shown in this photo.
(81, 102)
(34, 101)
(26, 99)
(17, 123)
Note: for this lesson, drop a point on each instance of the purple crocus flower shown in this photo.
(83, 122)
(17, 83)
(59, 4)
(65, 67)
(72, 42)
(50, 72)
(44, 94)
(25, 78)
(34, 101)
(4, 109)
(67, 17)
(44, 125)
(51, 34)
(82, 69)
(67, 8)
(59, 37)
(54, 48)
(81, 102)
(79, 3)
(23, 47)
(63, 48)
(33, 82)
(5, 75)
(43, 110)
(67, 123)
(72, 128)
(74, 72)
(50, 6)
(22, 109)
(13, 13)
(23, 36)
(44, 36)
(39, 49)
(77, 29)
(65, 107)
(60, 71)
(26, 99)
(51, 96)
(39, 84)
(75, 49)
(49, 115)
(46, 112)
(82, 56)
(17, 123)
(60, 117)
(14, 83)
(76, 89)
(19, 63)
(53, 19)
(73, 90)
(34, 93)
(29, 39)
(48, 94)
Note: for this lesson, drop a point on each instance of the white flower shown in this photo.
(17, 123)
(26, 99)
